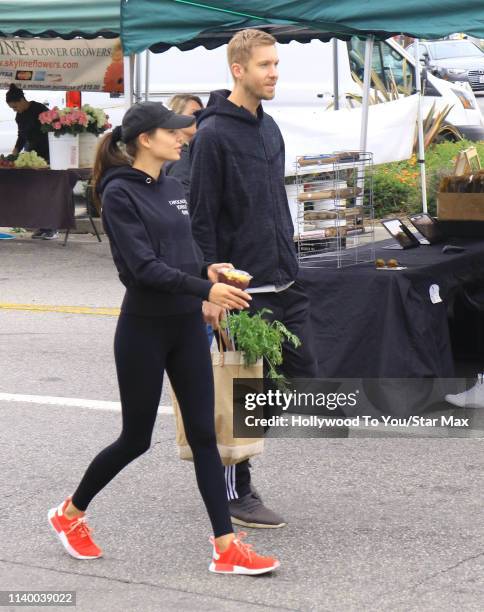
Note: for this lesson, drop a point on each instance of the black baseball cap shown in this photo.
(146, 116)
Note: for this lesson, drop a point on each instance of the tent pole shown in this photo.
(128, 80)
(364, 114)
(335, 74)
(137, 78)
(147, 75)
(421, 142)
(366, 94)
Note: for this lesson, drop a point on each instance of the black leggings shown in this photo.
(144, 347)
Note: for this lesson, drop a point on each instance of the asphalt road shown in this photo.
(391, 524)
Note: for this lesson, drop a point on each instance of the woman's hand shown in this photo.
(212, 314)
(229, 297)
(213, 270)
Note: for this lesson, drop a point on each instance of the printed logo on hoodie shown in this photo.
(182, 205)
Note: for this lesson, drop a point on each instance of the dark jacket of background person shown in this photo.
(30, 137)
(149, 231)
(180, 170)
(238, 202)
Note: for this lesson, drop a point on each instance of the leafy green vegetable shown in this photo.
(257, 338)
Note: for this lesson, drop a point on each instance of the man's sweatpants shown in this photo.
(291, 307)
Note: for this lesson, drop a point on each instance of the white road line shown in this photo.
(72, 402)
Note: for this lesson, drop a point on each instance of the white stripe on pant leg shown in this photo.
(233, 495)
(228, 482)
(226, 472)
(234, 488)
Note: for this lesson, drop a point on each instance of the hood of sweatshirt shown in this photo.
(239, 211)
(218, 104)
(127, 173)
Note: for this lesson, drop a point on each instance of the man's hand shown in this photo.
(213, 270)
(212, 314)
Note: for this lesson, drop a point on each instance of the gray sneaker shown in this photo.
(249, 511)
(50, 234)
(256, 493)
(38, 234)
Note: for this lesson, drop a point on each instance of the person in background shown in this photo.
(189, 104)
(184, 104)
(30, 136)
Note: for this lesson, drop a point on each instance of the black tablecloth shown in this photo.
(370, 323)
(39, 198)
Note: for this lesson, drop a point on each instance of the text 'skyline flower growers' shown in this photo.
(64, 121)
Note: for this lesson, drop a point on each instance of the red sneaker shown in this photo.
(74, 533)
(240, 558)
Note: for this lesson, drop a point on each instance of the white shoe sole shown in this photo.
(62, 537)
(243, 571)
(462, 402)
(237, 521)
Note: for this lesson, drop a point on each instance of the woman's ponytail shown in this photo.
(108, 155)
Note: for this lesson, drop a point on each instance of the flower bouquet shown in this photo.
(97, 120)
(63, 125)
(62, 121)
(88, 140)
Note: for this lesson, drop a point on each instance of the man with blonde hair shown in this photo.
(240, 214)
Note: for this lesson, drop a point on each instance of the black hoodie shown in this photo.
(238, 201)
(153, 249)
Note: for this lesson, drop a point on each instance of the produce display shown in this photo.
(7, 161)
(30, 159)
(27, 159)
(391, 264)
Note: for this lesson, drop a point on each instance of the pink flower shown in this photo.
(57, 125)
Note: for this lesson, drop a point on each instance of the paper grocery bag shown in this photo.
(227, 366)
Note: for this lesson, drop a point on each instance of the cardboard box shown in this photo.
(460, 206)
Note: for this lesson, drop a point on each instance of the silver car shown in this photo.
(453, 60)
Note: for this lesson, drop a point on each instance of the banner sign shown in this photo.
(310, 131)
(57, 64)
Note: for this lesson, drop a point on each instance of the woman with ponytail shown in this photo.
(160, 328)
